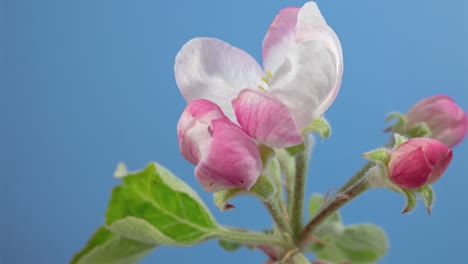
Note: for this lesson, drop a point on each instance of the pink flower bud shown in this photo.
(225, 156)
(446, 120)
(418, 162)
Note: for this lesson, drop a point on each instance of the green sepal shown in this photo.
(264, 189)
(104, 247)
(399, 139)
(154, 206)
(418, 130)
(221, 199)
(411, 200)
(427, 195)
(400, 122)
(378, 155)
(320, 126)
(229, 245)
(294, 150)
(266, 153)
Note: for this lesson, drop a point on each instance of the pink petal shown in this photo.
(418, 162)
(281, 36)
(447, 121)
(266, 119)
(192, 128)
(410, 170)
(208, 68)
(232, 160)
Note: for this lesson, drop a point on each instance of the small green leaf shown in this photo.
(358, 244)
(229, 245)
(104, 247)
(427, 194)
(154, 206)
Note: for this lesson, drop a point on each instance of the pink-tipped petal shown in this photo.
(418, 162)
(192, 128)
(446, 120)
(266, 119)
(232, 161)
(280, 37)
(208, 68)
(305, 80)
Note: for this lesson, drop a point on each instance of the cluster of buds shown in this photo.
(419, 158)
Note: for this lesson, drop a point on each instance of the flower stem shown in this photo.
(298, 192)
(276, 212)
(358, 176)
(248, 237)
(337, 202)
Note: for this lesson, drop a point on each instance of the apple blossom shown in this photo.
(418, 162)
(225, 156)
(301, 75)
(446, 120)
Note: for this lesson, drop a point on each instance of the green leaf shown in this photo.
(228, 245)
(154, 206)
(104, 247)
(358, 244)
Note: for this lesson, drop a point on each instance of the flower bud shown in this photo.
(225, 156)
(446, 120)
(418, 162)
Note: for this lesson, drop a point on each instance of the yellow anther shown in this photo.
(261, 88)
(265, 80)
(268, 73)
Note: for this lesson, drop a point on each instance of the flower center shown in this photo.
(266, 79)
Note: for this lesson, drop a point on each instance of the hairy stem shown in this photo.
(298, 192)
(358, 176)
(248, 237)
(276, 212)
(337, 202)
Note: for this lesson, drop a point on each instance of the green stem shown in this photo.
(298, 192)
(278, 215)
(248, 237)
(287, 167)
(358, 176)
(337, 202)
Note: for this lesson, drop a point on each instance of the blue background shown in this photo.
(86, 84)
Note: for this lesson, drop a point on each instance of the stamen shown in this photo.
(261, 88)
(265, 80)
(268, 73)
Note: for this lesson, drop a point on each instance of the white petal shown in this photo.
(312, 26)
(208, 68)
(305, 80)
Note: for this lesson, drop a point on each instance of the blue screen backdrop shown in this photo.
(86, 84)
